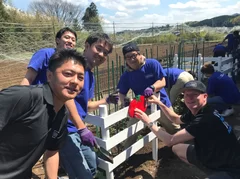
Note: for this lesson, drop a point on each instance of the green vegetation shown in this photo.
(91, 20)
(220, 21)
(22, 32)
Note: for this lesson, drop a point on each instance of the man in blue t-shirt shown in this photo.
(219, 50)
(38, 65)
(233, 41)
(77, 155)
(83, 155)
(143, 77)
(222, 90)
(175, 80)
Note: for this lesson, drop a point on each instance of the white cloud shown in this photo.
(121, 14)
(201, 9)
(137, 13)
(128, 5)
(83, 3)
(120, 5)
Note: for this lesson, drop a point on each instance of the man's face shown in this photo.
(67, 40)
(194, 99)
(133, 59)
(67, 81)
(97, 53)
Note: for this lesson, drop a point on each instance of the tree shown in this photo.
(62, 10)
(4, 16)
(91, 19)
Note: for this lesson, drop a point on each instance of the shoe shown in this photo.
(227, 112)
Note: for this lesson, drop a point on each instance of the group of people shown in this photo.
(45, 114)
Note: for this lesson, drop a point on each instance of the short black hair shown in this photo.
(63, 30)
(129, 47)
(207, 69)
(236, 32)
(98, 37)
(61, 56)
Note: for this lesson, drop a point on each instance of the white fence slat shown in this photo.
(120, 158)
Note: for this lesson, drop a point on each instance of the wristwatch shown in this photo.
(152, 87)
(150, 124)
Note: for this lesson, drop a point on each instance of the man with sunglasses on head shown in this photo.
(144, 77)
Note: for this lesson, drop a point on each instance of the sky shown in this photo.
(155, 12)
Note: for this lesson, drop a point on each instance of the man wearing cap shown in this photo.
(144, 77)
(215, 145)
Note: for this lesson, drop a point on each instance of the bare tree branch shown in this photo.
(63, 11)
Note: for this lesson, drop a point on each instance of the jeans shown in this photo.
(218, 103)
(78, 160)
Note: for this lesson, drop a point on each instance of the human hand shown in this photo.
(148, 92)
(87, 137)
(139, 114)
(113, 98)
(153, 99)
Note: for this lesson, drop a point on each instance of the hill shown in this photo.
(219, 21)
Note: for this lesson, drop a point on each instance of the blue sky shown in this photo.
(154, 11)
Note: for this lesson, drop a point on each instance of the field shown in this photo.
(13, 70)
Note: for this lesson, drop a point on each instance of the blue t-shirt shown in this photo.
(219, 48)
(230, 38)
(139, 80)
(81, 100)
(172, 76)
(221, 85)
(39, 62)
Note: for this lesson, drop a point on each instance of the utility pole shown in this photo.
(152, 30)
(114, 33)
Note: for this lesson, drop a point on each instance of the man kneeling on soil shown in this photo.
(215, 145)
(33, 119)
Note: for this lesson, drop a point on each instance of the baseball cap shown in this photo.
(195, 85)
(129, 47)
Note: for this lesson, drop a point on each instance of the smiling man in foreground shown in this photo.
(33, 119)
(215, 145)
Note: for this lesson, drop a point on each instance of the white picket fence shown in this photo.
(104, 121)
(224, 64)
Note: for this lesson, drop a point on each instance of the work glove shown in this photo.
(87, 137)
(148, 92)
(127, 101)
(113, 98)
